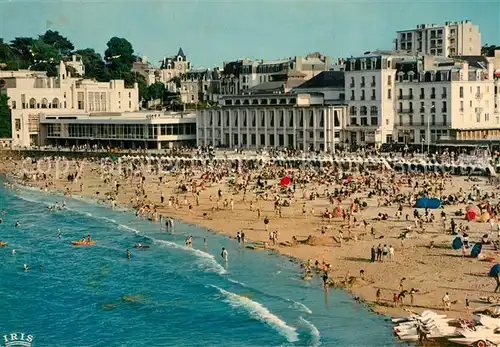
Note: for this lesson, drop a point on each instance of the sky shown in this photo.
(211, 32)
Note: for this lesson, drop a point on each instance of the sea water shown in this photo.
(167, 295)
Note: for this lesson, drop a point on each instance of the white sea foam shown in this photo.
(207, 259)
(259, 312)
(300, 306)
(237, 282)
(315, 335)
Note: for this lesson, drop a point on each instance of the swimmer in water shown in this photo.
(41, 267)
(25, 267)
(59, 233)
(128, 254)
(17, 223)
(13, 251)
(204, 242)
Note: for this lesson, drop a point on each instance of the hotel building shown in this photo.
(33, 94)
(443, 98)
(370, 83)
(172, 68)
(275, 118)
(200, 85)
(145, 130)
(450, 39)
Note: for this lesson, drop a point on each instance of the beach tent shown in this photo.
(457, 243)
(432, 203)
(285, 181)
(495, 270)
(470, 215)
(476, 250)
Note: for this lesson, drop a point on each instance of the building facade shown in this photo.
(32, 95)
(145, 69)
(200, 85)
(128, 130)
(444, 98)
(450, 39)
(241, 75)
(370, 83)
(173, 68)
(301, 121)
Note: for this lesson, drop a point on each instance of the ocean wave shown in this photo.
(300, 306)
(261, 313)
(315, 335)
(208, 260)
(237, 282)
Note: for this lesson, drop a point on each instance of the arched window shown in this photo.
(374, 110)
(32, 103)
(44, 103)
(55, 103)
(354, 111)
(363, 110)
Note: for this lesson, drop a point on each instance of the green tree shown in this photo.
(119, 55)
(94, 65)
(59, 42)
(22, 48)
(5, 117)
(156, 91)
(489, 51)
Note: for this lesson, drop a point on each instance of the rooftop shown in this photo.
(325, 79)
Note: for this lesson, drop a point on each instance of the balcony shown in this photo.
(374, 97)
(422, 96)
(444, 110)
(422, 109)
(444, 96)
(362, 85)
(352, 85)
(362, 97)
(353, 98)
(405, 110)
(407, 97)
(433, 96)
(373, 84)
(461, 109)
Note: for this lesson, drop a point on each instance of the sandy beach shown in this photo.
(424, 257)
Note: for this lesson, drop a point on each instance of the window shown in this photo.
(32, 103)
(290, 119)
(352, 95)
(262, 119)
(55, 103)
(433, 119)
(422, 119)
(311, 119)
(18, 124)
(461, 105)
(13, 104)
(445, 119)
(271, 115)
(389, 81)
(461, 92)
(389, 94)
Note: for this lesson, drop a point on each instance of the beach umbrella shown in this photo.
(457, 243)
(495, 270)
(476, 250)
(285, 181)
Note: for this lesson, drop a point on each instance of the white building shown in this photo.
(293, 120)
(370, 91)
(145, 130)
(77, 64)
(32, 94)
(444, 98)
(450, 39)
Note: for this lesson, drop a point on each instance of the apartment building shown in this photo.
(450, 39)
(145, 69)
(241, 75)
(294, 120)
(370, 84)
(172, 68)
(444, 98)
(33, 94)
(145, 130)
(200, 85)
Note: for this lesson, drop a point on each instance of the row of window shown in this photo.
(241, 119)
(127, 131)
(44, 103)
(410, 122)
(274, 101)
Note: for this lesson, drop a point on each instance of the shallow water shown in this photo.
(167, 295)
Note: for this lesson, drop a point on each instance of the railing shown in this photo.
(374, 97)
(433, 96)
(444, 109)
(422, 96)
(405, 110)
(362, 85)
(373, 84)
(352, 85)
(444, 96)
(362, 97)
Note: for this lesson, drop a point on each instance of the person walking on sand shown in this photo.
(446, 302)
(372, 254)
(497, 279)
(266, 223)
(391, 253)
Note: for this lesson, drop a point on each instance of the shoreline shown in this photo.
(345, 259)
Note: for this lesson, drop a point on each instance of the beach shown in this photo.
(424, 258)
